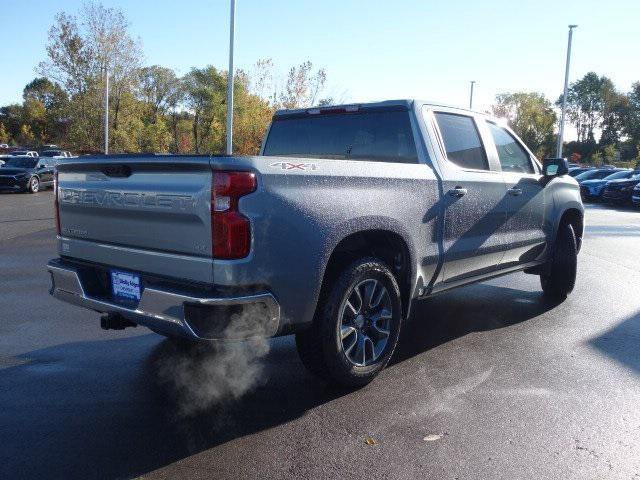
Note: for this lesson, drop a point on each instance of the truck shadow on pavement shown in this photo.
(477, 308)
(621, 343)
(98, 409)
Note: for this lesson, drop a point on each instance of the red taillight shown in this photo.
(55, 199)
(231, 231)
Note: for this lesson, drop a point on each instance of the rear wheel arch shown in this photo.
(387, 245)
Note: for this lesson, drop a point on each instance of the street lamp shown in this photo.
(106, 110)
(564, 95)
(229, 146)
(471, 95)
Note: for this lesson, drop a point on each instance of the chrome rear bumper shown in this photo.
(166, 312)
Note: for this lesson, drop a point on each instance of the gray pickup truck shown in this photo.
(347, 216)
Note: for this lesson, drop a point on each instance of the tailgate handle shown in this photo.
(116, 171)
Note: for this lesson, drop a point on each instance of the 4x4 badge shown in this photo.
(294, 166)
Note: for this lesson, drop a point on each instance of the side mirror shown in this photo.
(555, 167)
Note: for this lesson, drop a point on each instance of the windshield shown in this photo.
(618, 175)
(19, 152)
(593, 174)
(577, 171)
(21, 162)
(51, 153)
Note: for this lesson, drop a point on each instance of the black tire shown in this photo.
(560, 276)
(34, 185)
(321, 347)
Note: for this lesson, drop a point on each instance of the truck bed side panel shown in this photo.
(300, 214)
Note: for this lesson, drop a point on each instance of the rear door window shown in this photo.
(383, 136)
(462, 141)
(513, 158)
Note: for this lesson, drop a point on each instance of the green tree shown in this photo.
(586, 104)
(182, 136)
(35, 116)
(46, 107)
(155, 137)
(4, 135)
(79, 51)
(303, 86)
(69, 64)
(205, 94)
(50, 94)
(150, 109)
(12, 116)
(596, 159)
(205, 90)
(106, 34)
(252, 115)
(632, 115)
(609, 153)
(69, 59)
(26, 136)
(159, 88)
(531, 116)
(614, 111)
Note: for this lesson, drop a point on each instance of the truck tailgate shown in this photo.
(154, 204)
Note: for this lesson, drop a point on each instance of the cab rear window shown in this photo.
(383, 136)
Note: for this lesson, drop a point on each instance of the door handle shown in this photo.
(458, 192)
(515, 191)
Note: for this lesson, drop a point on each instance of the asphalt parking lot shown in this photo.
(489, 381)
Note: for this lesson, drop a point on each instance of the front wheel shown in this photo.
(34, 185)
(560, 276)
(357, 326)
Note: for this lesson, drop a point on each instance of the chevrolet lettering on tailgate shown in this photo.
(106, 198)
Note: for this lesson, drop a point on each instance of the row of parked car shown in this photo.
(608, 184)
(29, 170)
(52, 154)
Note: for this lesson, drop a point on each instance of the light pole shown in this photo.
(471, 95)
(564, 95)
(229, 147)
(106, 110)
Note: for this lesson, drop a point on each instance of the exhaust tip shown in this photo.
(115, 321)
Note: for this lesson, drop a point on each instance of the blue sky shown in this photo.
(370, 49)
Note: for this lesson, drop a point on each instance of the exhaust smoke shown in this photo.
(205, 375)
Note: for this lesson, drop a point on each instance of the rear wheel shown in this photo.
(34, 185)
(357, 326)
(560, 276)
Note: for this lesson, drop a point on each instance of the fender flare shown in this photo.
(368, 224)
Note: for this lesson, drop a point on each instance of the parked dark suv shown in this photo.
(596, 174)
(593, 189)
(26, 174)
(635, 196)
(621, 191)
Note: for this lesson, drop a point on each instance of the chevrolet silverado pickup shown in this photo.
(348, 215)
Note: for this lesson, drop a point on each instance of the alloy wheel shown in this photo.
(365, 322)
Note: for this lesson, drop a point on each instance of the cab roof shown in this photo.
(403, 104)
